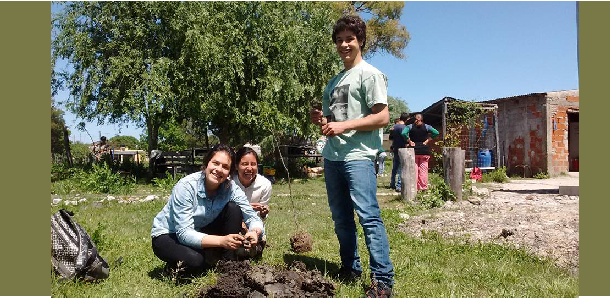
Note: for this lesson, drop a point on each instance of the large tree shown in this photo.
(396, 106)
(256, 67)
(238, 69)
(122, 60)
(124, 141)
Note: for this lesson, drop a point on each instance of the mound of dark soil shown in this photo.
(239, 279)
(301, 242)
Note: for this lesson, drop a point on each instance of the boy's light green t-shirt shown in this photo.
(351, 95)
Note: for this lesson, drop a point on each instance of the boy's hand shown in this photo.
(334, 128)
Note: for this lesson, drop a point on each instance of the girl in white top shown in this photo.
(256, 187)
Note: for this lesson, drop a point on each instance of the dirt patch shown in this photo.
(240, 279)
(524, 214)
(301, 242)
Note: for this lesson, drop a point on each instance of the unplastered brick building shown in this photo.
(538, 133)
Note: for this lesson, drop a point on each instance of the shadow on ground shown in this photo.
(531, 191)
(311, 263)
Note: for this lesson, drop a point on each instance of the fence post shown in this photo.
(408, 175)
(453, 165)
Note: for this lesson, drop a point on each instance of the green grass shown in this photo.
(428, 267)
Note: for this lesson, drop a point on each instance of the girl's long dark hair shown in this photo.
(214, 150)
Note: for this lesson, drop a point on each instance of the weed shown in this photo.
(167, 183)
(497, 175)
(97, 236)
(466, 186)
(101, 179)
(542, 175)
(438, 193)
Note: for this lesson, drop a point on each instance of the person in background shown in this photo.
(100, 149)
(418, 135)
(397, 142)
(202, 220)
(354, 135)
(256, 187)
(380, 162)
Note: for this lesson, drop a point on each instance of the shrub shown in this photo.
(542, 175)
(64, 187)
(497, 175)
(438, 193)
(167, 183)
(101, 179)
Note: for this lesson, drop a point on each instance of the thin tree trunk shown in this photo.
(207, 139)
(67, 146)
(153, 142)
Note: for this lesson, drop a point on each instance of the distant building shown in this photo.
(538, 132)
(528, 134)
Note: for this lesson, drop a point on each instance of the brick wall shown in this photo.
(522, 133)
(559, 105)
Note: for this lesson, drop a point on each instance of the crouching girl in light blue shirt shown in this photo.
(201, 222)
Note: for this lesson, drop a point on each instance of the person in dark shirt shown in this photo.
(398, 141)
(418, 135)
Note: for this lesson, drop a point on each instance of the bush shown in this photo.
(101, 179)
(542, 175)
(497, 175)
(438, 193)
(167, 183)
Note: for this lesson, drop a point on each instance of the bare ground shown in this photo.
(528, 214)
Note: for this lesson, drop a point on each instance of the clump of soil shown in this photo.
(301, 242)
(240, 279)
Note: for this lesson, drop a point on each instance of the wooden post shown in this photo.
(408, 175)
(453, 165)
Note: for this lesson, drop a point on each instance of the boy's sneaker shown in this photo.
(378, 290)
(349, 275)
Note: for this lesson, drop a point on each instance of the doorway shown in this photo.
(573, 140)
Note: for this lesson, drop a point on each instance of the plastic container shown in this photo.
(484, 158)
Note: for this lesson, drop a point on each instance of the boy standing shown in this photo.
(354, 109)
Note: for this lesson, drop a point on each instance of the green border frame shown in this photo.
(25, 78)
(594, 69)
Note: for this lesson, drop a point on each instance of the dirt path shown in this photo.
(523, 213)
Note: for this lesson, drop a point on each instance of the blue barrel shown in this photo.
(484, 158)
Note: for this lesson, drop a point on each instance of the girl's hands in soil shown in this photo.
(262, 209)
(252, 237)
(232, 241)
(257, 207)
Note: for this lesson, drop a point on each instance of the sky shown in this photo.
(466, 50)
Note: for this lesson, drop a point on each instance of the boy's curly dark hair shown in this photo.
(352, 23)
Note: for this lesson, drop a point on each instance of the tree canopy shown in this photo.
(396, 106)
(124, 57)
(124, 141)
(237, 69)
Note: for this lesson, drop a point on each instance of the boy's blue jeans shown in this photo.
(353, 185)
